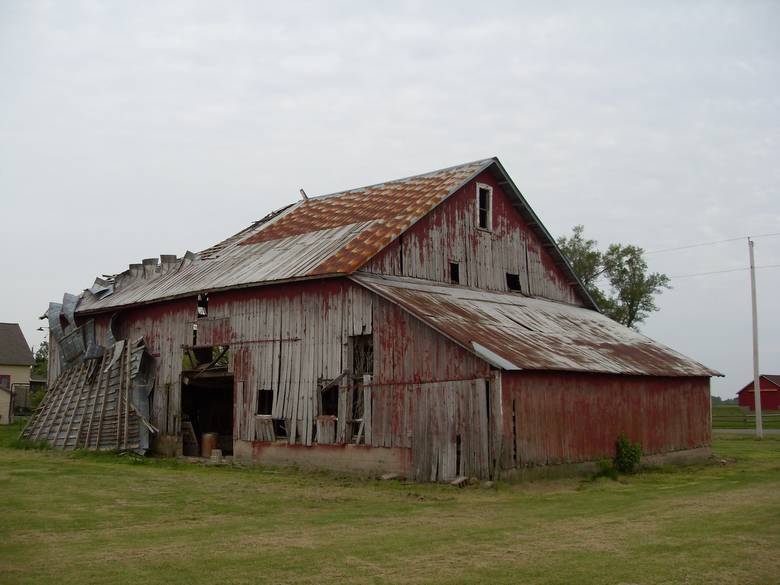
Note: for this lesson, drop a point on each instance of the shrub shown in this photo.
(36, 398)
(606, 468)
(627, 454)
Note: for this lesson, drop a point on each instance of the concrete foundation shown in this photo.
(352, 459)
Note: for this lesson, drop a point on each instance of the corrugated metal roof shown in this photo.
(327, 235)
(513, 331)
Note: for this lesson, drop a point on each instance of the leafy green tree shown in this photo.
(41, 366)
(617, 279)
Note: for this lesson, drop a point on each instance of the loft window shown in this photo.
(513, 282)
(265, 401)
(203, 305)
(454, 273)
(485, 207)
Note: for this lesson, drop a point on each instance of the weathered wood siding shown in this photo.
(430, 395)
(427, 394)
(552, 417)
(450, 234)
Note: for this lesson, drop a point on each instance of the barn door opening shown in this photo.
(206, 402)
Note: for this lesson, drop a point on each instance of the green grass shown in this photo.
(87, 518)
(731, 416)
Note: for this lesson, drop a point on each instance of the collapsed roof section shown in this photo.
(515, 332)
(321, 236)
(101, 403)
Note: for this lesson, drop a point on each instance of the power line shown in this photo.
(724, 271)
(700, 244)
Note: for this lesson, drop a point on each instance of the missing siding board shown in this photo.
(484, 207)
(454, 273)
(514, 433)
(487, 400)
(513, 282)
(458, 443)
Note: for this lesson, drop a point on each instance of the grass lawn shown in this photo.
(87, 518)
(731, 416)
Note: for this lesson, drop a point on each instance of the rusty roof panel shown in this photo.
(399, 203)
(326, 235)
(532, 333)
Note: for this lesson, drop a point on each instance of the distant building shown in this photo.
(15, 361)
(770, 393)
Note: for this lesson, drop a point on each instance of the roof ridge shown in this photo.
(479, 161)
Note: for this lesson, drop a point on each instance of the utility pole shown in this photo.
(756, 375)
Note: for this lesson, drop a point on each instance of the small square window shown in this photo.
(484, 207)
(454, 273)
(513, 282)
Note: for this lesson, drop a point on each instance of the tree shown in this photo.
(617, 279)
(41, 366)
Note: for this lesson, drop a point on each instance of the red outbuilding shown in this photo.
(770, 393)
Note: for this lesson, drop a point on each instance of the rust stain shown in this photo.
(390, 208)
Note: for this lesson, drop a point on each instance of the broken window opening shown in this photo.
(209, 358)
(362, 355)
(203, 305)
(484, 200)
(513, 282)
(330, 401)
(265, 401)
(280, 428)
(454, 273)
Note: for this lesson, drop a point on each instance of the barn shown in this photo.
(427, 326)
(770, 393)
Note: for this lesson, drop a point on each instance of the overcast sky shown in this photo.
(128, 130)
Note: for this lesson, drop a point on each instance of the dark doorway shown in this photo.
(207, 405)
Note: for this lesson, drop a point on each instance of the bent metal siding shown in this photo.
(554, 417)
